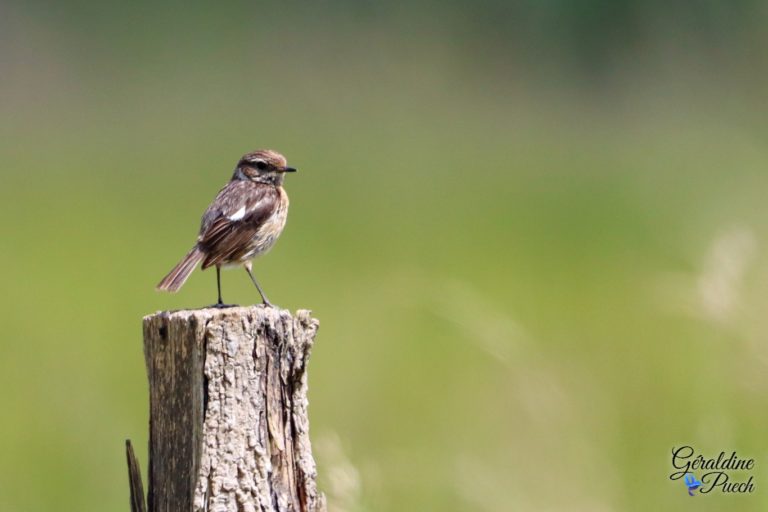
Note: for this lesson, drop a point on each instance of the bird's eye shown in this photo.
(261, 165)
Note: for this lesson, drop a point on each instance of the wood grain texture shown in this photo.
(229, 430)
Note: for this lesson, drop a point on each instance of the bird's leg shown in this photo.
(220, 303)
(218, 285)
(247, 266)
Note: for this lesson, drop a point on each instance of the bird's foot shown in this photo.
(221, 305)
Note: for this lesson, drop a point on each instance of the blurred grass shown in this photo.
(508, 269)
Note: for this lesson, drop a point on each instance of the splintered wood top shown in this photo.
(258, 311)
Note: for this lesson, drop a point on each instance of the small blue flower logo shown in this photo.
(691, 483)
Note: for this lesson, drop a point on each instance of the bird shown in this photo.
(243, 221)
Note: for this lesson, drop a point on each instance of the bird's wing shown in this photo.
(233, 219)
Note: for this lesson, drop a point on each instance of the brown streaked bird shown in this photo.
(243, 221)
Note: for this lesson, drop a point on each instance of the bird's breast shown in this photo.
(275, 223)
(272, 227)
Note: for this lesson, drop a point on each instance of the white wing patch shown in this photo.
(239, 214)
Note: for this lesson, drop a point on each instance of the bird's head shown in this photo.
(262, 166)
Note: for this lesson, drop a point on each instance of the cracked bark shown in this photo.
(229, 430)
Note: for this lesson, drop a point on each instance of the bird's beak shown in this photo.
(288, 169)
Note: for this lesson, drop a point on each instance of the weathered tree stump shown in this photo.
(229, 430)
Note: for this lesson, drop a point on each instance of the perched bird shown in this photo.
(243, 221)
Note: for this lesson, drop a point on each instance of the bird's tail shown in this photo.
(178, 276)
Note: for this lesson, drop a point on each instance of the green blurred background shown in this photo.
(533, 233)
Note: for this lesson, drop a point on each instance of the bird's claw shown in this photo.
(221, 305)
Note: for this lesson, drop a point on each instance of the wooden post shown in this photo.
(229, 430)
